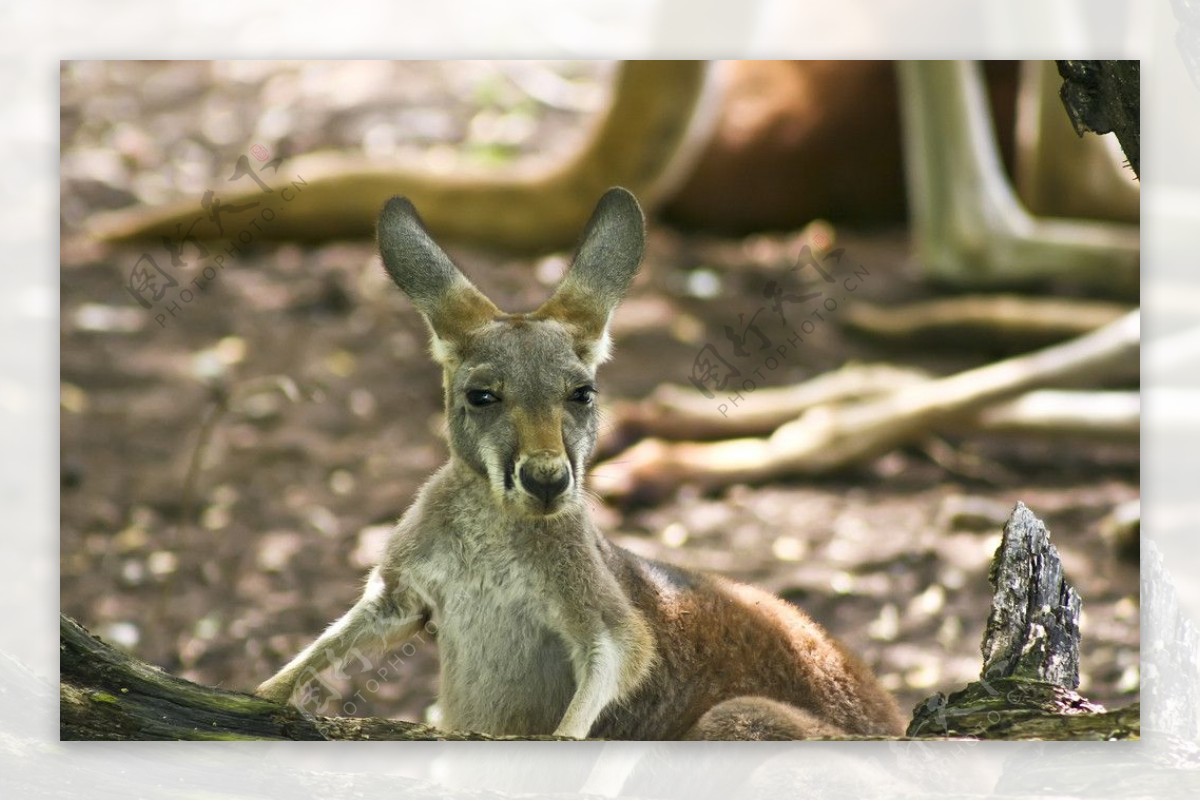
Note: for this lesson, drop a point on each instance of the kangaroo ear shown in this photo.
(451, 304)
(604, 265)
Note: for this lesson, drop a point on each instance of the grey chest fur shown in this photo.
(504, 669)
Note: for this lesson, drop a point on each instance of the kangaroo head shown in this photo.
(520, 388)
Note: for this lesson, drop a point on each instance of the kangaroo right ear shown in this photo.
(450, 304)
(604, 266)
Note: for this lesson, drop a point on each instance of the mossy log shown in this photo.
(109, 695)
(1020, 709)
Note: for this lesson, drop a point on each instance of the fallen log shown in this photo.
(833, 436)
(1012, 709)
(1099, 415)
(680, 413)
(1009, 321)
(109, 695)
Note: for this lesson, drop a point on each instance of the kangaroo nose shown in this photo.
(545, 482)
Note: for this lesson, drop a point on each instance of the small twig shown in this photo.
(224, 401)
(218, 406)
(966, 465)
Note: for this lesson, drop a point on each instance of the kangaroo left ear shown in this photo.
(450, 304)
(605, 263)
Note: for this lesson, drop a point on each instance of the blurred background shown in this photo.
(230, 472)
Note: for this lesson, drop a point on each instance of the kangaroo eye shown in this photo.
(481, 397)
(584, 394)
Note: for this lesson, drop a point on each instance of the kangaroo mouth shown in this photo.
(543, 507)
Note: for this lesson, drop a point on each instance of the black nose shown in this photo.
(542, 484)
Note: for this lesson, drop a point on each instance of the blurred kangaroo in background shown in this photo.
(543, 625)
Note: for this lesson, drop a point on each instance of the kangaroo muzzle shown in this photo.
(545, 476)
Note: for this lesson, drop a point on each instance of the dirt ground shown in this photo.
(302, 375)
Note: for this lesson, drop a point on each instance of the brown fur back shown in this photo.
(718, 640)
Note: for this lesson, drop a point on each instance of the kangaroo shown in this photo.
(544, 626)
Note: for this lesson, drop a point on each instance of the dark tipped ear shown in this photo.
(452, 306)
(608, 258)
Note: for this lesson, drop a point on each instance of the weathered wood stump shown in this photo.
(1033, 629)
(1026, 688)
